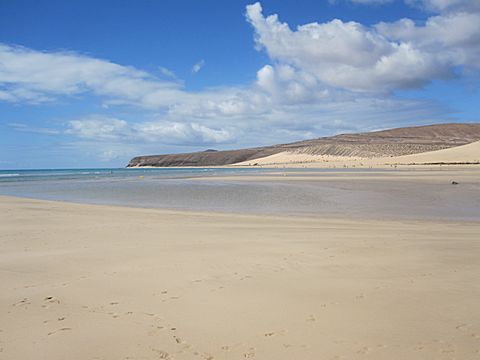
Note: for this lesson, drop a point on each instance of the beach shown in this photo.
(90, 281)
(240, 180)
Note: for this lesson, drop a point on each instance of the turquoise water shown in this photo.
(115, 173)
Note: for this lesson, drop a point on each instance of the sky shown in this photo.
(95, 83)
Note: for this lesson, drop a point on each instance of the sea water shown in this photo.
(197, 189)
(203, 189)
(170, 188)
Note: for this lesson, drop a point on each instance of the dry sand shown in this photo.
(98, 282)
(469, 153)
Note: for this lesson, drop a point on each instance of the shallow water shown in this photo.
(200, 189)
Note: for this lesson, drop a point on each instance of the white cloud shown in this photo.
(182, 133)
(452, 39)
(167, 72)
(386, 57)
(198, 66)
(31, 129)
(167, 132)
(446, 5)
(437, 6)
(99, 127)
(33, 76)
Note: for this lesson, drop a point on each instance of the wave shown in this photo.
(9, 175)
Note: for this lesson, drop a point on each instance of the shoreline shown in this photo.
(335, 218)
(385, 194)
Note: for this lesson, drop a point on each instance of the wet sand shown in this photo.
(101, 282)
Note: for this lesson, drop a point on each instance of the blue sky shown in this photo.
(92, 84)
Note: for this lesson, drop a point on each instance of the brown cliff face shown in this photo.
(394, 142)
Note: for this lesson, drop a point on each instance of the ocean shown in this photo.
(102, 174)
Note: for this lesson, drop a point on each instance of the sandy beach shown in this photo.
(240, 180)
(101, 282)
(465, 154)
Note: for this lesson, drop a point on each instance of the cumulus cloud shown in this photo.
(385, 57)
(453, 39)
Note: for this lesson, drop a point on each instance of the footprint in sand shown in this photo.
(162, 354)
(250, 354)
(178, 340)
(270, 334)
(154, 330)
(462, 327)
(216, 289)
(59, 330)
(113, 315)
(364, 350)
(23, 302)
(50, 300)
(466, 327)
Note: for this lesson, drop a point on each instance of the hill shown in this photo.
(378, 144)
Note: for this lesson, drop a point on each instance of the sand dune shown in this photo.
(465, 154)
(469, 153)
